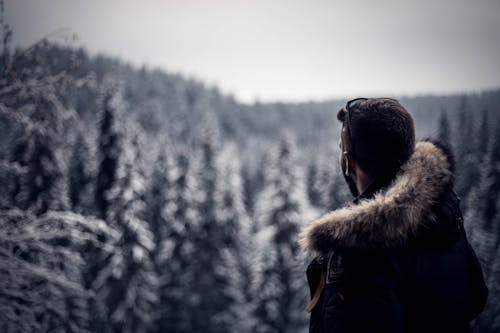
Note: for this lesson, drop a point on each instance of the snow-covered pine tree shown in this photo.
(280, 288)
(493, 307)
(493, 192)
(248, 188)
(80, 177)
(313, 192)
(466, 154)
(209, 238)
(156, 198)
(480, 236)
(487, 240)
(483, 140)
(236, 246)
(486, 191)
(483, 224)
(177, 255)
(109, 151)
(230, 210)
(444, 134)
(30, 101)
(128, 285)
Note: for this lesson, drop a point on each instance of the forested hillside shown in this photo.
(137, 200)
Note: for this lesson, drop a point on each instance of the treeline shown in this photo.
(139, 201)
(475, 139)
(95, 240)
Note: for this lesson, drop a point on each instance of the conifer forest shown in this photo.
(138, 200)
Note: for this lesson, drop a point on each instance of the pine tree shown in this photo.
(99, 263)
(31, 103)
(236, 249)
(489, 319)
(444, 128)
(466, 157)
(177, 252)
(209, 238)
(483, 228)
(492, 311)
(493, 192)
(128, 285)
(157, 196)
(156, 199)
(248, 188)
(465, 129)
(483, 135)
(481, 237)
(486, 190)
(313, 193)
(80, 176)
(126, 281)
(108, 151)
(493, 307)
(280, 289)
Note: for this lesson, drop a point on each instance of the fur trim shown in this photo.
(393, 214)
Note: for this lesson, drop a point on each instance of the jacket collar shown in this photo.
(388, 212)
(372, 188)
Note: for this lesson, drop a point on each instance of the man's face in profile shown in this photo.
(343, 165)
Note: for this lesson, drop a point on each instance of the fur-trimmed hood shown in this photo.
(393, 213)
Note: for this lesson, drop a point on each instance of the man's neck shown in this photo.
(363, 181)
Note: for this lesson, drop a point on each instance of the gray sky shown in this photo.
(288, 49)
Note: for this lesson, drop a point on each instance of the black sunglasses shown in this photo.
(348, 107)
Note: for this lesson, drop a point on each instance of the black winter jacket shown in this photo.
(397, 258)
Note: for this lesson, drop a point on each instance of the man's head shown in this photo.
(377, 137)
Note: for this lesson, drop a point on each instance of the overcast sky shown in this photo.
(287, 49)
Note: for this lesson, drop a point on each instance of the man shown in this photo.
(396, 259)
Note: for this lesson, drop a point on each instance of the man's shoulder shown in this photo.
(345, 265)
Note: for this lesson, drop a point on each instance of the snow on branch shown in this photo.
(41, 265)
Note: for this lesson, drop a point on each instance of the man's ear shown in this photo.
(348, 163)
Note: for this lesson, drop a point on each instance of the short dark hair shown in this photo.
(383, 133)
